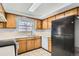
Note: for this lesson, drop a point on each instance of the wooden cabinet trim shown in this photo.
(71, 12)
(61, 15)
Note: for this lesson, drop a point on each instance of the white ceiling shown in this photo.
(44, 10)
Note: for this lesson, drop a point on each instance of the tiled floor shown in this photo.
(38, 52)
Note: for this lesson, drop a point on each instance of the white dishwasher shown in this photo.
(7, 51)
(45, 42)
(7, 48)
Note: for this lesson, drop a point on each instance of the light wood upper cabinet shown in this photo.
(22, 45)
(58, 16)
(45, 24)
(71, 12)
(11, 20)
(1, 25)
(49, 45)
(37, 43)
(38, 24)
(78, 11)
(50, 21)
(30, 44)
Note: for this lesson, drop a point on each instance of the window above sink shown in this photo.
(24, 24)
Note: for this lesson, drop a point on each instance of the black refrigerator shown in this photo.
(63, 36)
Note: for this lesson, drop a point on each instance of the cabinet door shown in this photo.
(78, 11)
(22, 46)
(49, 45)
(60, 16)
(37, 43)
(30, 44)
(11, 20)
(45, 25)
(1, 25)
(50, 21)
(38, 24)
(71, 12)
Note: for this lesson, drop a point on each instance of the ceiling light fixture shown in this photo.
(34, 7)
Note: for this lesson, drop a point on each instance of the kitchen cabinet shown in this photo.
(50, 21)
(78, 11)
(45, 24)
(22, 45)
(11, 20)
(49, 44)
(71, 12)
(27, 44)
(30, 44)
(61, 15)
(37, 42)
(38, 24)
(3, 25)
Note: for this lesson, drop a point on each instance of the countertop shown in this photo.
(4, 43)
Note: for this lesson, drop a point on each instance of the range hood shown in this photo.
(2, 18)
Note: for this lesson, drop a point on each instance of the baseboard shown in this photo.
(46, 50)
(28, 51)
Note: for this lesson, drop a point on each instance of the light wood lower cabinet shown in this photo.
(30, 44)
(37, 43)
(22, 45)
(49, 45)
(27, 44)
